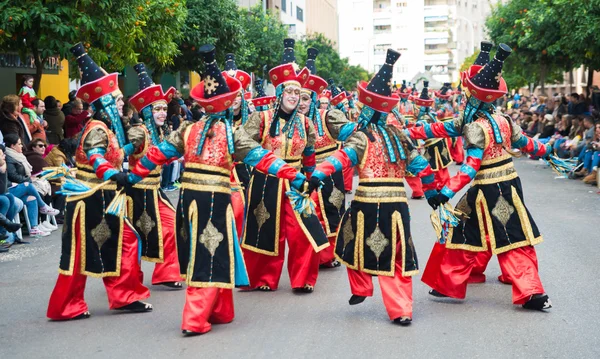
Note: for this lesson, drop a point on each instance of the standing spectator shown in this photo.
(55, 119)
(11, 120)
(76, 120)
(174, 114)
(37, 124)
(68, 107)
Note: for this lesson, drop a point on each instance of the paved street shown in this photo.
(323, 325)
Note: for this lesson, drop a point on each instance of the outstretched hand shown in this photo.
(313, 184)
(437, 200)
(120, 179)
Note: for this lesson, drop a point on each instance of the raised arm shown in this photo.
(338, 125)
(426, 130)
(527, 144)
(349, 156)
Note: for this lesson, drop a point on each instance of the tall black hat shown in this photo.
(144, 80)
(289, 55)
(230, 62)
(260, 90)
(333, 88)
(90, 71)
(214, 83)
(425, 91)
(484, 56)
(382, 82)
(403, 87)
(311, 55)
(445, 88)
(489, 75)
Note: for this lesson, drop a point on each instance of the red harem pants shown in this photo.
(168, 270)
(433, 268)
(457, 151)
(238, 207)
(66, 300)
(396, 291)
(326, 255)
(303, 262)
(415, 184)
(519, 266)
(206, 306)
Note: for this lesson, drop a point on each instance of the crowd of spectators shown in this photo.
(570, 123)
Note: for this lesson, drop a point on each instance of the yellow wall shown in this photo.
(56, 85)
(194, 79)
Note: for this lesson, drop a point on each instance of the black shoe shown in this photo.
(333, 264)
(404, 321)
(84, 315)
(356, 299)
(137, 307)
(189, 333)
(3, 249)
(174, 285)
(437, 294)
(20, 241)
(11, 226)
(264, 288)
(538, 302)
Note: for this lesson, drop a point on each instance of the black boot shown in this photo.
(437, 294)
(356, 299)
(404, 321)
(10, 226)
(538, 302)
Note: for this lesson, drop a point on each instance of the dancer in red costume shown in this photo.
(151, 212)
(330, 126)
(270, 219)
(445, 113)
(209, 253)
(493, 207)
(374, 237)
(94, 243)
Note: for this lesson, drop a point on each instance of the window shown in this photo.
(382, 29)
(299, 14)
(284, 5)
(292, 29)
(401, 4)
(358, 29)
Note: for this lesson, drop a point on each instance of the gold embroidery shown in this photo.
(348, 233)
(101, 233)
(337, 198)
(377, 242)
(145, 223)
(261, 214)
(503, 210)
(463, 207)
(474, 135)
(211, 237)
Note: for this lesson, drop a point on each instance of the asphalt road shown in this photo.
(323, 325)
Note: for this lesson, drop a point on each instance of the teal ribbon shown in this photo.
(150, 124)
(227, 118)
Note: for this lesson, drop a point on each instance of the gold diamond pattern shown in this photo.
(145, 223)
(101, 233)
(211, 238)
(463, 206)
(377, 242)
(337, 198)
(261, 214)
(348, 232)
(503, 210)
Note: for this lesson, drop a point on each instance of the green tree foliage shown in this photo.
(112, 30)
(329, 64)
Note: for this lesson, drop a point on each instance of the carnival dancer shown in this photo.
(324, 100)
(330, 126)
(270, 218)
(151, 212)
(209, 255)
(94, 243)
(493, 207)
(406, 109)
(436, 150)
(240, 175)
(445, 112)
(374, 237)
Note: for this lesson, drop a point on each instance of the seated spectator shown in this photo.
(55, 119)
(35, 157)
(63, 154)
(548, 129)
(9, 206)
(19, 172)
(11, 120)
(75, 121)
(584, 145)
(592, 158)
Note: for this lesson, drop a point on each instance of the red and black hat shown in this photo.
(261, 98)
(377, 94)
(484, 55)
(424, 100)
(95, 82)
(288, 72)
(314, 83)
(148, 93)
(326, 94)
(445, 92)
(216, 92)
(485, 83)
(337, 96)
(232, 70)
(404, 91)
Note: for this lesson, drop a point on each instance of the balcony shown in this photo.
(436, 11)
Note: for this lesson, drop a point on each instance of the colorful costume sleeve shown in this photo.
(527, 144)
(94, 146)
(417, 165)
(338, 125)
(171, 148)
(247, 140)
(426, 130)
(349, 156)
(137, 140)
(309, 158)
(475, 144)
